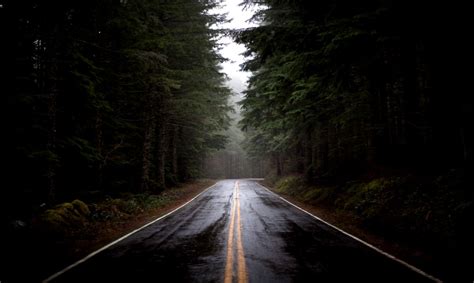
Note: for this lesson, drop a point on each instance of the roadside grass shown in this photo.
(70, 218)
(78, 220)
(62, 234)
(431, 213)
(420, 207)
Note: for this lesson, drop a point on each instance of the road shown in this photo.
(237, 231)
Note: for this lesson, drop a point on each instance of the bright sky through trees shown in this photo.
(239, 19)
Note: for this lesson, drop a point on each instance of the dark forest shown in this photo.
(109, 95)
(363, 107)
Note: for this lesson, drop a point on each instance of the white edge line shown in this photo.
(57, 274)
(413, 268)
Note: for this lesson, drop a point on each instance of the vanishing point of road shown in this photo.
(238, 231)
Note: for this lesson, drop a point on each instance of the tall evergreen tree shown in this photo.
(347, 88)
(109, 95)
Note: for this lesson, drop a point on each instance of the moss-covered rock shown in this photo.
(81, 207)
(65, 218)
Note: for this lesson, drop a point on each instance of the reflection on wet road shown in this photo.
(237, 231)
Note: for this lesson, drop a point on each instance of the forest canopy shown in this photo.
(344, 88)
(109, 96)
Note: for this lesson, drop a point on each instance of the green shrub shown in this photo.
(271, 179)
(81, 207)
(315, 195)
(65, 218)
(291, 185)
(427, 208)
(115, 208)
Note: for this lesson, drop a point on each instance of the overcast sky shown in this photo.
(231, 50)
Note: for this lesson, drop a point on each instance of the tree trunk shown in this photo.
(174, 152)
(279, 167)
(323, 149)
(99, 147)
(51, 144)
(161, 147)
(308, 152)
(148, 140)
(161, 159)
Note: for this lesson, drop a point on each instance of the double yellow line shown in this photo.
(241, 269)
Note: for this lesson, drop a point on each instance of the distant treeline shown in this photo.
(226, 164)
(108, 95)
(233, 162)
(344, 88)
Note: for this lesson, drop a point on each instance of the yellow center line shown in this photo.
(240, 249)
(230, 240)
(242, 270)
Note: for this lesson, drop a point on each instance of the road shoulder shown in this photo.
(352, 225)
(44, 253)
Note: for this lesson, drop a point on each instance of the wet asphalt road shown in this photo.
(271, 241)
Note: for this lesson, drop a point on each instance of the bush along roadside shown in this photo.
(72, 218)
(431, 213)
(59, 235)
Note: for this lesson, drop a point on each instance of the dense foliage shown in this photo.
(108, 95)
(354, 87)
(368, 105)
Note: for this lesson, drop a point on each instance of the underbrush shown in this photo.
(425, 209)
(71, 218)
(52, 237)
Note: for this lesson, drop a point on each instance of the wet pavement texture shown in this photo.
(280, 244)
